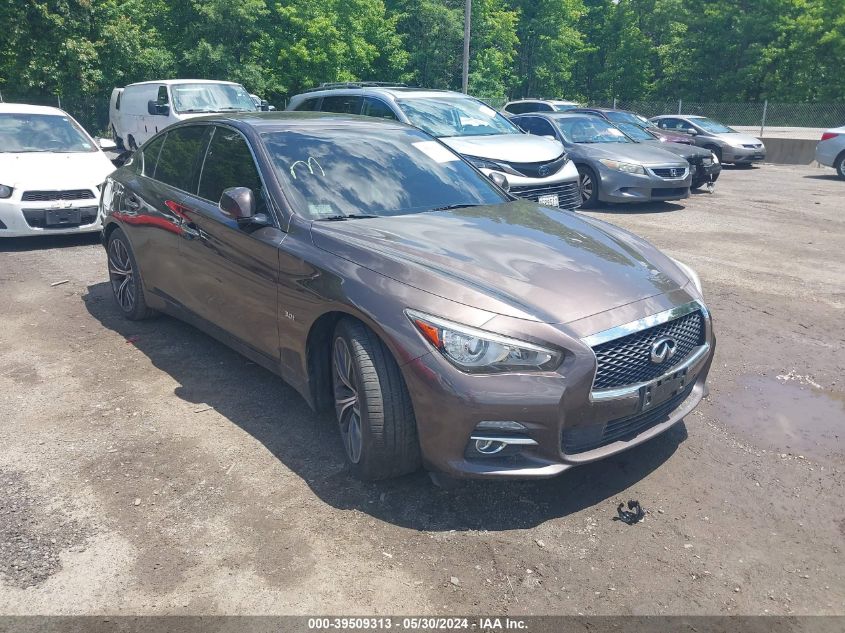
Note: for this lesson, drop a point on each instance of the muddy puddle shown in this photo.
(786, 416)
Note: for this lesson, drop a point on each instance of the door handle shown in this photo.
(132, 202)
(191, 231)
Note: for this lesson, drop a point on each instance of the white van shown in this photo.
(138, 111)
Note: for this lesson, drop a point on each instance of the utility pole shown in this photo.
(467, 20)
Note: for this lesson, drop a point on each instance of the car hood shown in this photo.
(44, 170)
(737, 138)
(514, 148)
(518, 259)
(643, 153)
(686, 151)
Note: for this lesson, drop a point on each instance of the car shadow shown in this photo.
(639, 207)
(38, 242)
(210, 374)
(831, 177)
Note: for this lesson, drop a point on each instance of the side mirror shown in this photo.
(238, 203)
(691, 131)
(106, 144)
(500, 180)
(265, 105)
(157, 109)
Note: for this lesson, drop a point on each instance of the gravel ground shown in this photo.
(148, 469)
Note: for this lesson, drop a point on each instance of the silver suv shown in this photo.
(534, 167)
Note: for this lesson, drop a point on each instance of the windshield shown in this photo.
(455, 116)
(590, 129)
(42, 133)
(635, 132)
(713, 126)
(332, 173)
(211, 98)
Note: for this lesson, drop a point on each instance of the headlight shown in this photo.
(628, 168)
(485, 163)
(5, 192)
(477, 351)
(691, 274)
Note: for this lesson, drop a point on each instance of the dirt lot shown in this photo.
(148, 469)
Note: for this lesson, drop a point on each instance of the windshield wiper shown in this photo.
(450, 207)
(195, 110)
(352, 216)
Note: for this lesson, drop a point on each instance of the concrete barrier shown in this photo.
(790, 151)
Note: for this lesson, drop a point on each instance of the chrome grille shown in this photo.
(627, 360)
(670, 172)
(568, 195)
(67, 194)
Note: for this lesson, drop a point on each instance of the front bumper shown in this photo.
(566, 422)
(22, 218)
(621, 187)
(563, 185)
(743, 155)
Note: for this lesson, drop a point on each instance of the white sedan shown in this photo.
(830, 150)
(50, 172)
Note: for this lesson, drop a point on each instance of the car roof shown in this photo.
(170, 82)
(25, 108)
(286, 120)
(394, 91)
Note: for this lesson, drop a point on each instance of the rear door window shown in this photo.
(343, 104)
(229, 163)
(309, 105)
(177, 162)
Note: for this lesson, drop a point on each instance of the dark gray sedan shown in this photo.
(612, 166)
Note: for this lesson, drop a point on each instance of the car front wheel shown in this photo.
(125, 278)
(372, 405)
(588, 185)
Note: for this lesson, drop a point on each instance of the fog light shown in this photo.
(489, 447)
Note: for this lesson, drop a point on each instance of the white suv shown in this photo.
(535, 167)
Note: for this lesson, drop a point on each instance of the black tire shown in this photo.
(588, 186)
(839, 165)
(368, 388)
(125, 278)
(716, 150)
(118, 141)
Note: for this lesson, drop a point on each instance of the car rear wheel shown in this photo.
(588, 185)
(839, 165)
(125, 278)
(372, 405)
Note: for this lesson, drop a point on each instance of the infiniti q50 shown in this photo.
(446, 323)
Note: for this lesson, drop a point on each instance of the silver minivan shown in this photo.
(533, 167)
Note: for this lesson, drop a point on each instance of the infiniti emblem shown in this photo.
(663, 349)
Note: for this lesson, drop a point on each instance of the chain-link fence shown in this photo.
(758, 115)
(92, 112)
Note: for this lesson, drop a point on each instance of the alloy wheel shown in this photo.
(121, 275)
(346, 401)
(585, 183)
